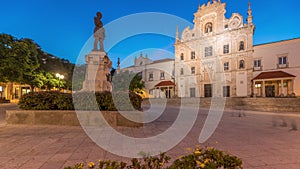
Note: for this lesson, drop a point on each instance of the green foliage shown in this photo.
(31, 64)
(46, 101)
(127, 81)
(208, 158)
(23, 61)
(18, 59)
(78, 77)
(121, 101)
(82, 101)
(52, 64)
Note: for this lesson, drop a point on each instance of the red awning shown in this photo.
(273, 75)
(165, 83)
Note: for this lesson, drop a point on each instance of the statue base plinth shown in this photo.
(97, 78)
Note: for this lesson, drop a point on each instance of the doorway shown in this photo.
(168, 93)
(270, 91)
(208, 90)
(226, 91)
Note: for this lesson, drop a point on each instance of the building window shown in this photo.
(162, 75)
(226, 49)
(150, 76)
(226, 91)
(208, 51)
(226, 66)
(181, 56)
(257, 64)
(192, 92)
(242, 64)
(282, 62)
(193, 55)
(181, 71)
(193, 70)
(140, 74)
(208, 27)
(242, 46)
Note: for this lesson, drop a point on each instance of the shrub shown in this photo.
(206, 158)
(39, 101)
(107, 101)
(82, 100)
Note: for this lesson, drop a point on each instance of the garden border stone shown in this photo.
(70, 118)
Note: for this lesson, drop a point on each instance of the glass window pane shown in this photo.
(280, 60)
(284, 60)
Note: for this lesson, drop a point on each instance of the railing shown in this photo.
(257, 68)
(280, 66)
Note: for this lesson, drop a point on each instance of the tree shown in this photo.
(53, 64)
(128, 81)
(18, 59)
(31, 75)
(51, 81)
(8, 65)
(23, 61)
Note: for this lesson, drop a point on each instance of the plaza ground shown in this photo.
(261, 140)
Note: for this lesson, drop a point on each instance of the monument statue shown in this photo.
(99, 32)
(97, 77)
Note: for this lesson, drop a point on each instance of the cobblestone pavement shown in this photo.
(262, 140)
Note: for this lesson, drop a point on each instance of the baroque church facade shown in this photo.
(217, 58)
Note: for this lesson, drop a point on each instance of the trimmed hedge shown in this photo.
(105, 101)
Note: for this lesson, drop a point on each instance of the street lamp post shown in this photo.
(59, 76)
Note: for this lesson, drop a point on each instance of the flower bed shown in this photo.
(201, 158)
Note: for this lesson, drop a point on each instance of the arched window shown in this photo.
(242, 64)
(181, 56)
(242, 46)
(208, 27)
(193, 55)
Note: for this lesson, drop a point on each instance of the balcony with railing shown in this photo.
(281, 66)
(257, 68)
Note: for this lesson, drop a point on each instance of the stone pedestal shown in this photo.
(97, 78)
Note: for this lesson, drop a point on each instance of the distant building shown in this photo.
(157, 75)
(13, 91)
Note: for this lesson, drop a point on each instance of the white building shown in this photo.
(214, 58)
(217, 58)
(158, 75)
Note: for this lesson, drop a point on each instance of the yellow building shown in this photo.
(13, 91)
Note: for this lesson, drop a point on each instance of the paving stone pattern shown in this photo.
(262, 140)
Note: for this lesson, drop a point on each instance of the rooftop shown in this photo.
(273, 75)
(162, 60)
(165, 83)
(280, 41)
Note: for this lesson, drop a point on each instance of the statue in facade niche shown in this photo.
(99, 32)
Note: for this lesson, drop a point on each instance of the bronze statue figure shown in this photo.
(99, 32)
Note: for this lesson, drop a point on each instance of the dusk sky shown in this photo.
(62, 27)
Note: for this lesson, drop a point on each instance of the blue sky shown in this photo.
(62, 27)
